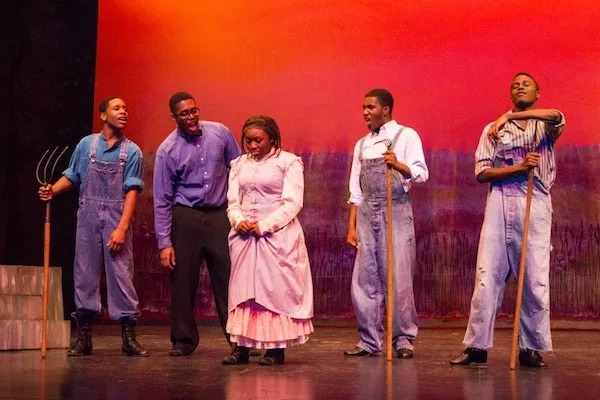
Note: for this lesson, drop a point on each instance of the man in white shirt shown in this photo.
(387, 145)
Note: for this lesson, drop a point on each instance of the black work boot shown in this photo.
(131, 346)
(83, 345)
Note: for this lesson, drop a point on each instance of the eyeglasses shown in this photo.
(187, 113)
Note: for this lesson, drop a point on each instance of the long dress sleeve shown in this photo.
(292, 199)
(234, 211)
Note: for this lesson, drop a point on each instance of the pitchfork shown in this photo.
(44, 179)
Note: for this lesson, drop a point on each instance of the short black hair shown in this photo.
(384, 97)
(537, 86)
(177, 97)
(104, 103)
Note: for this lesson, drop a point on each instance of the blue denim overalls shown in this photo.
(499, 255)
(101, 201)
(369, 278)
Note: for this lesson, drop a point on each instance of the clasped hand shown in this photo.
(248, 227)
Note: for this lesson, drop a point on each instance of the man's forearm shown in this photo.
(128, 209)
(61, 185)
(352, 218)
(403, 169)
(501, 173)
(549, 115)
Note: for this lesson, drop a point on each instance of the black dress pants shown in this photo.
(197, 235)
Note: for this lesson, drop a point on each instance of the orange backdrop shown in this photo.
(308, 63)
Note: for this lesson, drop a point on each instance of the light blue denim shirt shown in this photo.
(80, 161)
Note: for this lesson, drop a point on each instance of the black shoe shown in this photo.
(131, 346)
(273, 356)
(405, 353)
(239, 355)
(180, 351)
(470, 355)
(531, 359)
(83, 346)
(357, 352)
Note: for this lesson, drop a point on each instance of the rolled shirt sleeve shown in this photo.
(484, 155)
(555, 130)
(75, 172)
(415, 157)
(134, 169)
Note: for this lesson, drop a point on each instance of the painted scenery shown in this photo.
(448, 216)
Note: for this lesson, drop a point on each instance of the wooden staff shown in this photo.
(46, 278)
(390, 265)
(517, 322)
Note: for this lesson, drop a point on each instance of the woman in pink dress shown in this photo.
(270, 289)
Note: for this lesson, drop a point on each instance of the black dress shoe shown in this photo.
(239, 355)
(470, 355)
(531, 359)
(405, 353)
(357, 352)
(180, 351)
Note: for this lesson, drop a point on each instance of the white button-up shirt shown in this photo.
(408, 150)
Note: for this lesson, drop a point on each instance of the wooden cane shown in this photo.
(517, 322)
(46, 278)
(390, 265)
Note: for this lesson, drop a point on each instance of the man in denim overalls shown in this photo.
(388, 145)
(108, 168)
(520, 140)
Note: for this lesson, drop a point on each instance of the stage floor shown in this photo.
(316, 370)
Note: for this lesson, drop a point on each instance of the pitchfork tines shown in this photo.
(52, 158)
(386, 142)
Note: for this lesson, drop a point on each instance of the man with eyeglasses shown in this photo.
(190, 201)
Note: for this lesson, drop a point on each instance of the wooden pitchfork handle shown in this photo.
(46, 278)
(517, 321)
(390, 266)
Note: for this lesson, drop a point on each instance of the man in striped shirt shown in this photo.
(520, 140)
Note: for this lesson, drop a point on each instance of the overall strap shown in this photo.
(397, 136)
(123, 150)
(360, 147)
(94, 146)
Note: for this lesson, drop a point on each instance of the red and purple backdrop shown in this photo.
(309, 63)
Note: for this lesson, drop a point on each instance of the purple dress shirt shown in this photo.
(191, 171)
